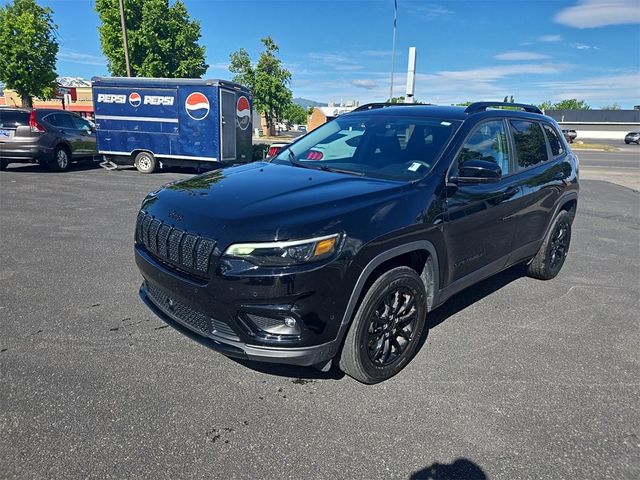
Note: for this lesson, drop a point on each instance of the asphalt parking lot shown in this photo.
(518, 378)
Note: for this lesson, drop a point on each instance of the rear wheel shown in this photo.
(3, 164)
(145, 162)
(553, 251)
(61, 160)
(386, 328)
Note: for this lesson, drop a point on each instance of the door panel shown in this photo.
(481, 216)
(541, 181)
(228, 120)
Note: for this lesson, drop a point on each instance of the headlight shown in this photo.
(280, 254)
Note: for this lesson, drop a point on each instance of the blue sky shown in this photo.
(467, 50)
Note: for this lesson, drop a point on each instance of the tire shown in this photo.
(369, 354)
(61, 160)
(3, 165)
(627, 142)
(145, 162)
(549, 260)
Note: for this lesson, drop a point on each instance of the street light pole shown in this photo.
(124, 38)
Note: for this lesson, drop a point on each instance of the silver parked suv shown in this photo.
(50, 137)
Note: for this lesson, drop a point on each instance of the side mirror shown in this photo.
(478, 171)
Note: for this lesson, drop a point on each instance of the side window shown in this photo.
(554, 140)
(63, 120)
(488, 142)
(80, 124)
(531, 148)
(51, 119)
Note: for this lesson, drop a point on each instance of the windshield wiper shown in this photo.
(294, 161)
(339, 170)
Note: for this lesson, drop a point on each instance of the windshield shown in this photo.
(383, 146)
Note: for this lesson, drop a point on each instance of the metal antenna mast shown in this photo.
(393, 48)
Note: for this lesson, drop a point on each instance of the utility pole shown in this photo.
(124, 38)
(393, 48)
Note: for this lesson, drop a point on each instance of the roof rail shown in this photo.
(371, 106)
(482, 106)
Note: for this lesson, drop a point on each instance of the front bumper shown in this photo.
(303, 356)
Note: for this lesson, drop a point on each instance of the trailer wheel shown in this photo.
(145, 162)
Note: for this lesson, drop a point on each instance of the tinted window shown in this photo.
(488, 142)
(51, 119)
(382, 146)
(80, 124)
(64, 121)
(531, 148)
(554, 141)
(13, 118)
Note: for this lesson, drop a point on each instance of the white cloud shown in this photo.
(608, 88)
(582, 46)
(430, 10)
(338, 61)
(599, 13)
(550, 38)
(519, 55)
(365, 83)
(72, 56)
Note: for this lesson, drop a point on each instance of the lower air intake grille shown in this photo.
(197, 321)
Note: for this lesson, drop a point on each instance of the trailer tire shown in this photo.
(145, 162)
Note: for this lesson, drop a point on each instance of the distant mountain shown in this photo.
(74, 82)
(306, 103)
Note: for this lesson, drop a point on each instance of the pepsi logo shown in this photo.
(135, 99)
(197, 105)
(243, 112)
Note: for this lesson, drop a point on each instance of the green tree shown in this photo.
(268, 80)
(396, 100)
(163, 40)
(28, 49)
(296, 114)
(613, 106)
(570, 104)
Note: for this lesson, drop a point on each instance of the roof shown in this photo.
(456, 113)
(595, 116)
(163, 82)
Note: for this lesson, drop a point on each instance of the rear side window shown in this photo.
(13, 118)
(64, 121)
(554, 141)
(531, 148)
(488, 142)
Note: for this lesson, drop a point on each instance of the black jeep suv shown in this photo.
(338, 247)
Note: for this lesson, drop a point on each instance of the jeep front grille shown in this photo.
(178, 248)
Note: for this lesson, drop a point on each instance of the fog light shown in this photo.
(290, 322)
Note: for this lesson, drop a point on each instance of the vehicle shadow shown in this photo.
(80, 166)
(460, 469)
(452, 306)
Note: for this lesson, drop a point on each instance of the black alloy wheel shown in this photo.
(387, 327)
(392, 326)
(554, 249)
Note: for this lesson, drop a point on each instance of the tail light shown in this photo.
(315, 155)
(273, 151)
(33, 123)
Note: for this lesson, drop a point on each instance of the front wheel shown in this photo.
(387, 327)
(145, 162)
(3, 164)
(553, 251)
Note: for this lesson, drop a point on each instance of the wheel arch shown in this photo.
(418, 254)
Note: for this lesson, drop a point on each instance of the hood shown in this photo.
(264, 201)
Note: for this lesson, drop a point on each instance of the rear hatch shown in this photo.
(14, 126)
